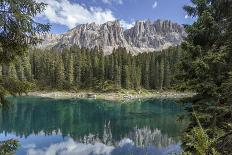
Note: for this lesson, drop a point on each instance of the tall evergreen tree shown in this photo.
(101, 69)
(127, 80)
(70, 69)
(60, 77)
(20, 70)
(117, 74)
(78, 68)
(137, 84)
(18, 27)
(27, 67)
(18, 32)
(12, 71)
(0, 70)
(146, 74)
(205, 66)
(143, 70)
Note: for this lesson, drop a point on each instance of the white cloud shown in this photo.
(126, 25)
(125, 146)
(71, 14)
(186, 16)
(70, 147)
(155, 5)
(112, 1)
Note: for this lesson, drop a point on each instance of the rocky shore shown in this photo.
(112, 96)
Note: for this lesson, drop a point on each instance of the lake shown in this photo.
(47, 126)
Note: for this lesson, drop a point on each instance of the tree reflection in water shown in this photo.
(47, 122)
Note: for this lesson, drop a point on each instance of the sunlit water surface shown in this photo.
(92, 127)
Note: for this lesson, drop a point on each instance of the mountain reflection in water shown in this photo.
(48, 126)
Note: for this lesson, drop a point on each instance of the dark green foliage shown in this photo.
(17, 27)
(76, 68)
(205, 68)
(18, 31)
(8, 147)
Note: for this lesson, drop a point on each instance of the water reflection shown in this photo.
(124, 147)
(66, 126)
(139, 136)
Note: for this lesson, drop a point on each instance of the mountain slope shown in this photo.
(144, 36)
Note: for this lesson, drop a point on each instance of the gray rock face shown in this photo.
(144, 36)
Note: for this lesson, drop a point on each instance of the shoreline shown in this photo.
(111, 96)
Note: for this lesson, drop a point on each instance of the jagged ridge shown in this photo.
(144, 36)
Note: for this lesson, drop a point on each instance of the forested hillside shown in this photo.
(76, 68)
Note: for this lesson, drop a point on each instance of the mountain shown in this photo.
(144, 36)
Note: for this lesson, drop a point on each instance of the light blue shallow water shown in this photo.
(92, 127)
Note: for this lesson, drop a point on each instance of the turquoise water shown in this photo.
(72, 126)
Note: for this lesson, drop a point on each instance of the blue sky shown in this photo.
(66, 14)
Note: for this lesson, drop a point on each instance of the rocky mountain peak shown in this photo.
(144, 36)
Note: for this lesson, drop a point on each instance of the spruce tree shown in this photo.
(78, 68)
(18, 32)
(161, 72)
(117, 74)
(101, 70)
(138, 76)
(127, 77)
(12, 71)
(205, 66)
(60, 77)
(146, 74)
(20, 70)
(18, 27)
(0, 70)
(27, 67)
(70, 68)
(52, 74)
(133, 74)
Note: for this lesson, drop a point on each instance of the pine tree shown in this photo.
(117, 74)
(146, 74)
(4, 71)
(127, 77)
(101, 72)
(205, 66)
(27, 67)
(52, 74)
(137, 84)
(111, 67)
(12, 71)
(20, 70)
(166, 71)
(133, 74)
(70, 69)
(0, 70)
(60, 77)
(156, 74)
(152, 71)
(90, 80)
(161, 72)
(78, 69)
(16, 32)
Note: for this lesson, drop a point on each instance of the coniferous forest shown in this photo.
(76, 68)
(201, 64)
